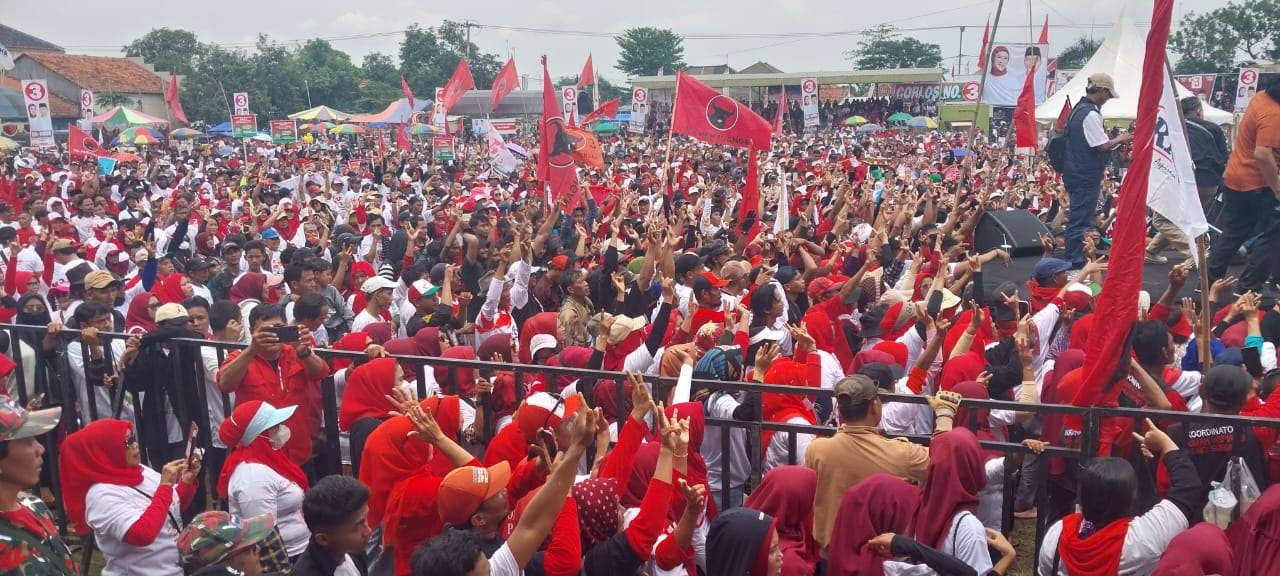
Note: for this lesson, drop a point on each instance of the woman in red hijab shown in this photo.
(250, 286)
(364, 402)
(133, 511)
(174, 289)
(787, 493)
(258, 478)
(786, 409)
(945, 519)
(1204, 549)
(881, 504)
(142, 313)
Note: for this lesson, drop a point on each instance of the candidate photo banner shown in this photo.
(639, 110)
(1007, 72)
(809, 101)
(1199, 84)
(35, 95)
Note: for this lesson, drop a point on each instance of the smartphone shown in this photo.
(191, 443)
(548, 441)
(285, 333)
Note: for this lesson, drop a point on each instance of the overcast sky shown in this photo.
(742, 32)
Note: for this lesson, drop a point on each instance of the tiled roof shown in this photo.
(703, 70)
(760, 68)
(58, 107)
(17, 40)
(103, 73)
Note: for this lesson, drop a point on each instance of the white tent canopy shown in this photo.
(1120, 56)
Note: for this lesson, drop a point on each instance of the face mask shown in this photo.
(280, 438)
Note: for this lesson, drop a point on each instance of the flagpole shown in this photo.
(977, 107)
(666, 162)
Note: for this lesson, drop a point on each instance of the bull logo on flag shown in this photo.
(92, 147)
(722, 113)
(562, 144)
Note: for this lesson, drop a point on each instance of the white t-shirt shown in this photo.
(1144, 543)
(722, 405)
(1094, 132)
(502, 563)
(364, 318)
(110, 510)
(778, 453)
(256, 489)
(217, 413)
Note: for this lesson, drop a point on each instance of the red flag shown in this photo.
(171, 99)
(1024, 115)
(607, 110)
(780, 112)
(588, 75)
(504, 83)
(404, 87)
(1044, 32)
(986, 35)
(402, 137)
(707, 115)
(1052, 66)
(457, 85)
(751, 191)
(382, 145)
(585, 146)
(82, 146)
(1107, 351)
(555, 150)
(1061, 124)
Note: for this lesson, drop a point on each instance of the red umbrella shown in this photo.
(126, 157)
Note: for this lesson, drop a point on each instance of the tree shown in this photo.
(379, 82)
(330, 76)
(645, 50)
(1075, 56)
(883, 48)
(166, 49)
(278, 78)
(428, 57)
(608, 90)
(1217, 41)
(216, 73)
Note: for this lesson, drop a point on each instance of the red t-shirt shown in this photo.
(286, 386)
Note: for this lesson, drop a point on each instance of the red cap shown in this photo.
(715, 281)
(560, 262)
(818, 287)
(465, 489)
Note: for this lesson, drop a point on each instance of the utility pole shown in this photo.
(960, 50)
(469, 25)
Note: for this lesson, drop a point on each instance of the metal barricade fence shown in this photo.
(57, 384)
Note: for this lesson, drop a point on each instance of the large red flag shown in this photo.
(1026, 132)
(780, 113)
(404, 87)
(1064, 115)
(1044, 32)
(171, 99)
(82, 146)
(707, 115)
(588, 75)
(986, 35)
(607, 110)
(505, 82)
(586, 147)
(750, 191)
(402, 137)
(457, 85)
(555, 150)
(1107, 352)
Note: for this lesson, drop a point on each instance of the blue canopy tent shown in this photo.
(223, 128)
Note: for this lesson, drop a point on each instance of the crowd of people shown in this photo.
(853, 275)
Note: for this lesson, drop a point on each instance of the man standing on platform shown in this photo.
(1088, 149)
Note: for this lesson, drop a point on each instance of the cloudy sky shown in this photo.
(794, 35)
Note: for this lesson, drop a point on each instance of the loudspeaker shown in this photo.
(1016, 228)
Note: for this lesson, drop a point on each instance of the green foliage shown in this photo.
(1219, 40)
(1078, 53)
(884, 48)
(166, 49)
(645, 50)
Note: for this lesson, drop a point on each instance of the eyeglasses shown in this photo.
(559, 403)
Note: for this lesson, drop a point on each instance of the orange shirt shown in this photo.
(1259, 127)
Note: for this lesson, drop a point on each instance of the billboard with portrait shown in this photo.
(1007, 72)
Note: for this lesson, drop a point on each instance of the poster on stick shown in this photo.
(1007, 73)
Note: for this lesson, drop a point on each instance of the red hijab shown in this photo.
(447, 410)
(597, 502)
(952, 481)
(96, 454)
(973, 390)
(466, 377)
(390, 455)
(543, 323)
(258, 451)
(963, 368)
(1203, 549)
(170, 289)
(248, 287)
(1255, 537)
(366, 393)
(881, 503)
(428, 340)
(139, 317)
(353, 342)
(646, 463)
(787, 493)
(779, 408)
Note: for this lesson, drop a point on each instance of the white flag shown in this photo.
(1172, 184)
(6, 59)
(783, 222)
(500, 158)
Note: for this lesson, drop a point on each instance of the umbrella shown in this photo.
(899, 117)
(854, 121)
(121, 116)
(922, 122)
(421, 129)
(138, 138)
(869, 128)
(185, 134)
(263, 137)
(320, 113)
(126, 157)
(346, 129)
(325, 126)
(605, 127)
(128, 134)
(305, 127)
(7, 144)
(518, 149)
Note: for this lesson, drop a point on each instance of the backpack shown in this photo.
(1056, 147)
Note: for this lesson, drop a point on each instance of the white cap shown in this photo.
(377, 283)
(541, 342)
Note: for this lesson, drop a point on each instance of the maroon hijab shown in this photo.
(787, 493)
(1204, 549)
(973, 390)
(955, 475)
(881, 503)
(1255, 537)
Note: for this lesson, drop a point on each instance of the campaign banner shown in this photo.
(501, 160)
(442, 147)
(809, 101)
(1007, 72)
(35, 95)
(284, 131)
(639, 110)
(482, 126)
(86, 110)
(437, 109)
(569, 104)
(106, 165)
(240, 103)
(1245, 88)
(244, 125)
(914, 91)
(1199, 84)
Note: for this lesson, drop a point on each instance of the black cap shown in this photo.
(76, 275)
(870, 323)
(786, 274)
(885, 376)
(687, 262)
(198, 264)
(229, 246)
